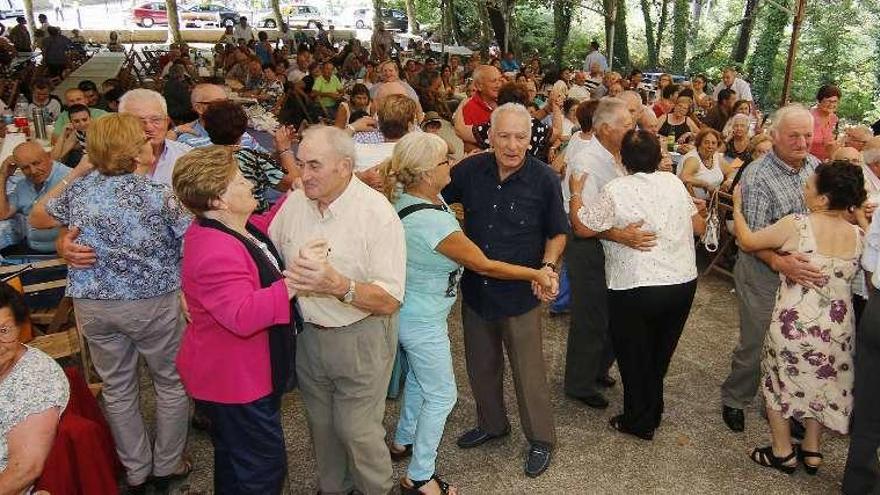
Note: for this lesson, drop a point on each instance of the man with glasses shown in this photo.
(41, 174)
(194, 134)
(150, 107)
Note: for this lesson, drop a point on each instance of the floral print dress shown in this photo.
(807, 362)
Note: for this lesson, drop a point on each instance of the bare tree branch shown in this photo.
(720, 36)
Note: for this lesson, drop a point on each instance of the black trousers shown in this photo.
(588, 354)
(249, 452)
(862, 469)
(646, 323)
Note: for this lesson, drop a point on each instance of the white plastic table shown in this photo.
(102, 66)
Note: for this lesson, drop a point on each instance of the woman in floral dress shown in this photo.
(807, 363)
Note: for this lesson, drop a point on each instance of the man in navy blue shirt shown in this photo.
(513, 212)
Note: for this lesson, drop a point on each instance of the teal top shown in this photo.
(431, 278)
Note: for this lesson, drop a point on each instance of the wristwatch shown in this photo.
(550, 264)
(348, 298)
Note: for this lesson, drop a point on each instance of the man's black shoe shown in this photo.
(606, 381)
(597, 401)
(537, 460)
(477, 437)
(797, 428)
(734, 418)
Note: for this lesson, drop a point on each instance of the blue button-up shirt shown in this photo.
(200, 138)
(510, 221)
(135, 226)
(23, 198)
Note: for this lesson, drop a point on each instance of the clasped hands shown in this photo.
(545, 286)
(310, 272)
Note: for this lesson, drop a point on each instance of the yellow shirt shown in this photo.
(366, 241)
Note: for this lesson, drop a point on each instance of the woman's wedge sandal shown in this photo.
(802, 454)
(416, 485)
(764, 457)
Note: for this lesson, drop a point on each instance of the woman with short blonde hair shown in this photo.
(203, 177)
(436, 249)
(128, 302)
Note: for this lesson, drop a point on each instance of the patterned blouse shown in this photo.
(34, 385)
(263, 171)
(135, 227)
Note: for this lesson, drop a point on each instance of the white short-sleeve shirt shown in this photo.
(661, 200)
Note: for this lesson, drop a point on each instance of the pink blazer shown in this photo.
(224, 354)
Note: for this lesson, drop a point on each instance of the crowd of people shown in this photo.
(240, 270)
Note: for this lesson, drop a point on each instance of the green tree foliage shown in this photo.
(562, 12)
(761, 68)
(621, 39)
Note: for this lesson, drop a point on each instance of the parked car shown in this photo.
(148, 14)
(298, 16)
(11, 8)
(208, 14)
(362, 18)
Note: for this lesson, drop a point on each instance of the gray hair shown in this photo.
(198, 92)
(609, 112)
(338, 140)
(788, 112)
(144, 96)
(514, 108)
(871, 155)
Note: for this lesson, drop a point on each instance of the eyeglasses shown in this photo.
(8, 334)
(154, 120)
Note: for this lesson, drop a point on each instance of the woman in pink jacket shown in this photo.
(236, 358)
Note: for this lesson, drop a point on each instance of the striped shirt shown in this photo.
(262, 170)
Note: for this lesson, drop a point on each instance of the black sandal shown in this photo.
(414, 490)
(403, 454)
(764, 457)
(802, 455)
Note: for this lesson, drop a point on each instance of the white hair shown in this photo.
(609, 111)
(788, 112)
(198, 92)
(871, 155)
(144, 96)
(514, 108)
(338, 140)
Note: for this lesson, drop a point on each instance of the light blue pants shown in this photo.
(428, 395)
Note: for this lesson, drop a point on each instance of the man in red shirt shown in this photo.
(478, 108)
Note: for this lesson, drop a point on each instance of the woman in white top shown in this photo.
(704, 169)
(650, 291)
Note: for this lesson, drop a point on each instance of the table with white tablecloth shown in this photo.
(102, 66)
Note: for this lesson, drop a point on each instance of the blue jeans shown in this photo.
(429, 393)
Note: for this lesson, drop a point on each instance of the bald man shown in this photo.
(73, 96)
(194, 133)
(41, 174)
(487, 82)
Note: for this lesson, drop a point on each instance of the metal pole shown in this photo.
(611, 34)
(792, 49)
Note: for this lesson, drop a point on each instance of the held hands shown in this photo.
(364, 124)
(311, 272)
(545, 286)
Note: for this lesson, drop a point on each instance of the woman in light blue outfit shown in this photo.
(436, 250)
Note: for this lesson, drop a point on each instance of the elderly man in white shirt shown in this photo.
(650, 291)
(730, 80)
(150, 107)
(242, 31)
(344, 246)
(589, 355)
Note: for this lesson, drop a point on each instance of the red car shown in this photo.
(148, 14)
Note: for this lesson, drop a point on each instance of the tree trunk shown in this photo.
(454, 24)
(411, 16)
(276, 12)
(173, 21)
(761, 65)
(498, 23)
(698, 15)
(562, 10)
(29, 15)
(680, 18)
(608, 7)
(621, 39)
(649, 34)
(485, 24)
(377, 9)
(741, 48)
(662, 24)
